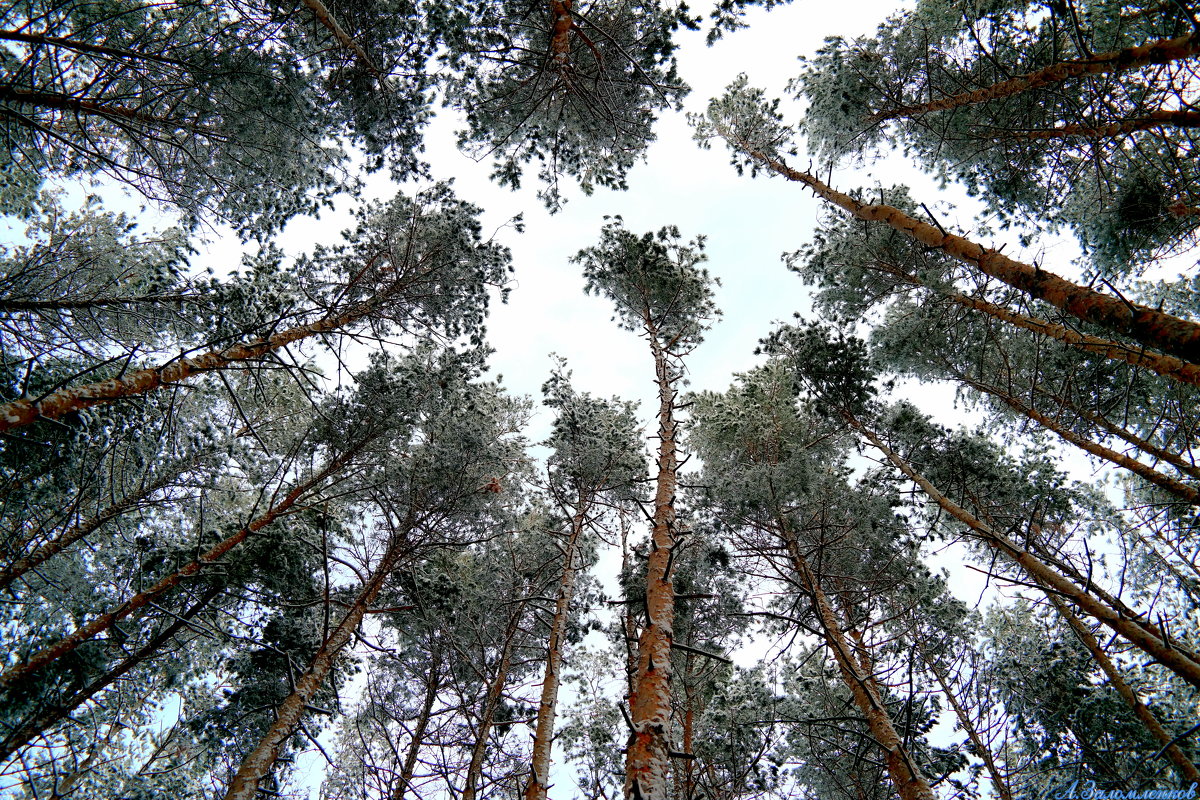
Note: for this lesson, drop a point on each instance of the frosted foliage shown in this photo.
(654, 280)
(747, 122)
(576, 93)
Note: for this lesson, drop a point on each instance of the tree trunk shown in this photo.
(48, 716)
(73, 534)
(491, 701)
(1149, 326)
(105, 621)
(433, 683)
(1163, 51)
(258, 763)
(1187, 770)
(1146, 636)
(647, 760)
(543, 738)
(1167, 366)
(1186, 493)
(321, 12)
(905, 775)
(999, 783)
(1155, 119)
(19, 413)
(560, 33)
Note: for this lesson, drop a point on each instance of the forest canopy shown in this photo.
(271, 525)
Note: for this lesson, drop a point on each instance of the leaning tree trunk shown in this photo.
(1170, 118)
(433, 684)
(1153, 328)
(1169, 484)
(539, 765)
(1146, 636)
(999, 783)
(289, 713)
(19, 413)
(1163, 51)
(1187, 769)
(58, 711)
(490, 704)
(910, 783)
(647, 759)
(1167, 366)
(105, 621)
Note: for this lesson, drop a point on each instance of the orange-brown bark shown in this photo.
(1187, 770)
(1149, 326)
(543, 737)
(491, 701)
(859, 678)
(1163, 51)
(1148, 637)
(76, 532)
(78, 105)
(19, 413)
(1167, 366)
(105, 621)
(1155, 119)
(560, 32)
(433, 683)
(1189, 494)
(323, 15)
(288, 715)
(647, 760)
(999, 783)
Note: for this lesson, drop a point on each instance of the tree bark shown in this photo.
(19, 413)
(560, 33)
(1186, 493)
(1167, 366)
(1163, 51)
(73, 534)
(999, 783)
(1144, 635)
(543, 738)
(258, 763)
(904, 773)
(491, 702)
(17, 739)
(105, 621)
(323, 15)
(433, 683)
(1187, 770)
(1155, 119)
(1179, 337)
(647, 759)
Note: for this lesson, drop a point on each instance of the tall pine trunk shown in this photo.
(289, 713)
(647, 761)
(543, 738)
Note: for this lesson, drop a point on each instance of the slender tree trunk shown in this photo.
(1163, 51)
(323, 15)
(1186, 493)
(18, 413)
(94, 108)
(105, 621)
(59, 711)
(1146, 636)
(1187, 770)
(289, 713)
(1149, 326)
(87, 47)
(73, 534)
(1167, 366)
(904, 773)
(433, 684)
(491, 702)
(647, 760)
(543, 738)
(999, 783)
(1155, 119)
